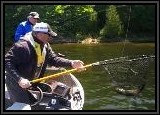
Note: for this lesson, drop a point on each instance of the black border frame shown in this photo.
(79, 112)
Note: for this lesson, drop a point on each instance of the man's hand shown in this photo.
(77, 64)
(24, 83)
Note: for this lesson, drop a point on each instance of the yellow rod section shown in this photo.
(58, 74)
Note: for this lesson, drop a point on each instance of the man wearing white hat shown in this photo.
(28, 58)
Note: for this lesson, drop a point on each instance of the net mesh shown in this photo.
(127, 74)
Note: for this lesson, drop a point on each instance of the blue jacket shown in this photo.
(22, 29)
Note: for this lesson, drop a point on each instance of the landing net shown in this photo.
(128, 74)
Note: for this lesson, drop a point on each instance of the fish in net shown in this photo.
(128, 74)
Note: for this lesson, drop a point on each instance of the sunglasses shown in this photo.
(50, 37)
(46, 33)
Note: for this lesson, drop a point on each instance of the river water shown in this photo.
(99, 93)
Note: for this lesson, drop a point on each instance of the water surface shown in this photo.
(99, 94)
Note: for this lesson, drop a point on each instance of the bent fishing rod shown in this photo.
(105, 62)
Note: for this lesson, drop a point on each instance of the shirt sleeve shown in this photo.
(54, 60)
(14, 57)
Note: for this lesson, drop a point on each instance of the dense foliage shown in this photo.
(76, 22)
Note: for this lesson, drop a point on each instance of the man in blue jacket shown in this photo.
(28, 58)
(26, 26)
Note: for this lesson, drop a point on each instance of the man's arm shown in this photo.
(12, 58)
(55, 60)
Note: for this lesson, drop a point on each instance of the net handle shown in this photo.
(59, 74)
(86, 66)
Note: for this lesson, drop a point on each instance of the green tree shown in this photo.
(75, 22)
(143, 20)
(113, 27)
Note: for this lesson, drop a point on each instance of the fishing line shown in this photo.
(126, 36)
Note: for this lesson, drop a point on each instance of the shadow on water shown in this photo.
(99, 94)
